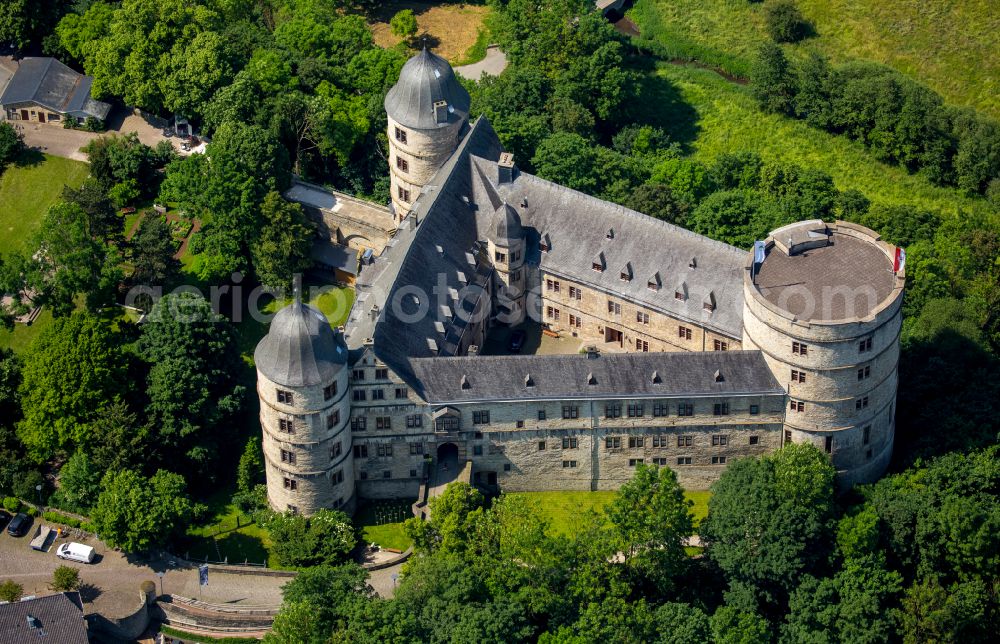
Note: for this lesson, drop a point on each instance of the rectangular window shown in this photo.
(828, 444)
(641, 345)
(387, 474)
(378, 394)
(541, 414)
(796, 405)
(332, 420)
(402, 392)
(569, 443)
(685, 441)
(755, 440)
(569, 463)
(403, 193)
(632, 462)
(788, 437)
(635, 410)
(291, 484)
(381, 374)
(683, 460)
(683, 333)
(642, 318)
(613, 442)
(477, 450)
(384, 449)
(360, 451)
(383, 422)
(506, 467)
(636, 441)
(718, 460)
(659, 441)
(358, 395)
(720, 345)
(864, 374)
(541, 446)
(865, 345)
(866, 435)
(861, 403)
(402, 164)
(337, 477)
(570, 411)
(416, 449)
(329, 391)
(614, 308)
(359, 423)
(575, 293)
(363, 476)
(575, 321)
(286, 425)
(401, 135)
(358, 374)
(446, 424)
(519, 424)
(613, 410)
(285, 397)
(335, 450)
(413, 474)
(754, 410)
(288, 457)
(800, 348)
(798, 376)
(660, 410)
(685, 409)
(481, 417)
(552, 285)
(662, 462)
(720, 440)
(720, 409)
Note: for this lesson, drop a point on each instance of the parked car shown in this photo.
(18, 526)
(516, 341)
(76, 552)
(4, 518)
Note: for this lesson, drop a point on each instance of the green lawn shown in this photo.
(227, 534)
(381, 522)
(950, 46)
(562, 510)
(726, 118)
(27, 191)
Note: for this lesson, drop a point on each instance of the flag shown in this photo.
(758, 252)
(899, 261)
(203, 575)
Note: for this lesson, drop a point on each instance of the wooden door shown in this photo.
(24, 115)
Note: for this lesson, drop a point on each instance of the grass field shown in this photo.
(452, 28)
(381, 522)
(27, 191)
(714, 116)
(950, 45)
(227, 535)
(563, 510)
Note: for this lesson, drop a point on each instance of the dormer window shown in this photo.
(693, 263)
(545, 245)
(681, 293)
(709, 303)
(610, 234)
(591, 380)
(465, 383)
(626, 273)
(598, 264)
(654, 282)
(528, 381)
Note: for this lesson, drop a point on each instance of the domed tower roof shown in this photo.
(300, 349)
(508, 225)
(424, 80)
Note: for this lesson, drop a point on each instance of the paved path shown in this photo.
(494, 63)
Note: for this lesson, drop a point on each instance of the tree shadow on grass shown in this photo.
(661, 104)
(29, 158)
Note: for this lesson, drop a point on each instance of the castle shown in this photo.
(694, 353)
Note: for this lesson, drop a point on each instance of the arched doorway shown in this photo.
(447, 451)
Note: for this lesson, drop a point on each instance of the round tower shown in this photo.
(824, 307)
(427, 110)
(506, 248)
(302, 383)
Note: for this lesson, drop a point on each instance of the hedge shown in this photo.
(191, 637)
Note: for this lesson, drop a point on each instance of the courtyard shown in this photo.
(537, 341)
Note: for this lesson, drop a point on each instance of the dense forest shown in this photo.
(296, 86)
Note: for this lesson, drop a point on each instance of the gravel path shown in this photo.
(494, 63)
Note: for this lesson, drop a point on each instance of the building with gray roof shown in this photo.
(54, 619)
(46, 91)
(669, 374)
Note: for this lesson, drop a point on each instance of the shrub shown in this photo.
(11, 591)
(11, 504)
(58, 517)
(785, 22)
(403, 24)
(65, 578)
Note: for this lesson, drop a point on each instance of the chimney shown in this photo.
(473, 350)
(441, 111)
(505, 168)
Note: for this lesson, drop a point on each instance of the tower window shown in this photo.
(402, 164)
(828, 444)
(796, 405)
(291, 484)
(800, 348)
(798, 376)
(865, 345)
(866, 434)
(864, 374)
(333, 420)
(401, 135)
(403, 194)
(286, 425)
(329, 391)
(285, 397)
(288, 457)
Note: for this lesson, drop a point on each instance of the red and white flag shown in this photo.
(899, 261)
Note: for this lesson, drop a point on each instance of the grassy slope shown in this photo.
(563, 509)
(27, 191)
(726, 119)
(950, 45)
(381, 522)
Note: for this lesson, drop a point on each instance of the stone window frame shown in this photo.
(800, 348)
(865, 373)
(336, 450)
(330, 391)
(570, 412)
(359, 395)
(575, 293)
(383, 450)
(541, 446)
(684, 460)
(361, 451)
(796, 405)
(285, 397)
(291, 484)
(613, 442)
(378, 394)
(402, 164)
(416, 449)
(286, 425)
(641, 317)
(720, 409)
(569, 464)
(613, 410)
(635, 410)
(685, 440)
(632, 462)
(661, 410)
(798, 376)
(570, 442)
(400, 135)
(383, 422)
(333, 419)
(641, 345)
(720, 440)
(288, 456)
(755, 440)
(481, 417)
(414, 421)
(359, 423)
(718, 460)
(866, 435)
(683, 332)
(636, 442)
(660, 461)
(720, 345)
(754, 410)
(685, 409)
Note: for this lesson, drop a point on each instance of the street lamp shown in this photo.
(38, 488)
(160, 575)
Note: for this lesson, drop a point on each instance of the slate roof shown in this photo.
(336, 256)
(508, 225)
(300, 348)
(425, 79)
(616, 375)
(581, 230)
(53, 85)
(59, 618)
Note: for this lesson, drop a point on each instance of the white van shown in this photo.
(76, 552)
